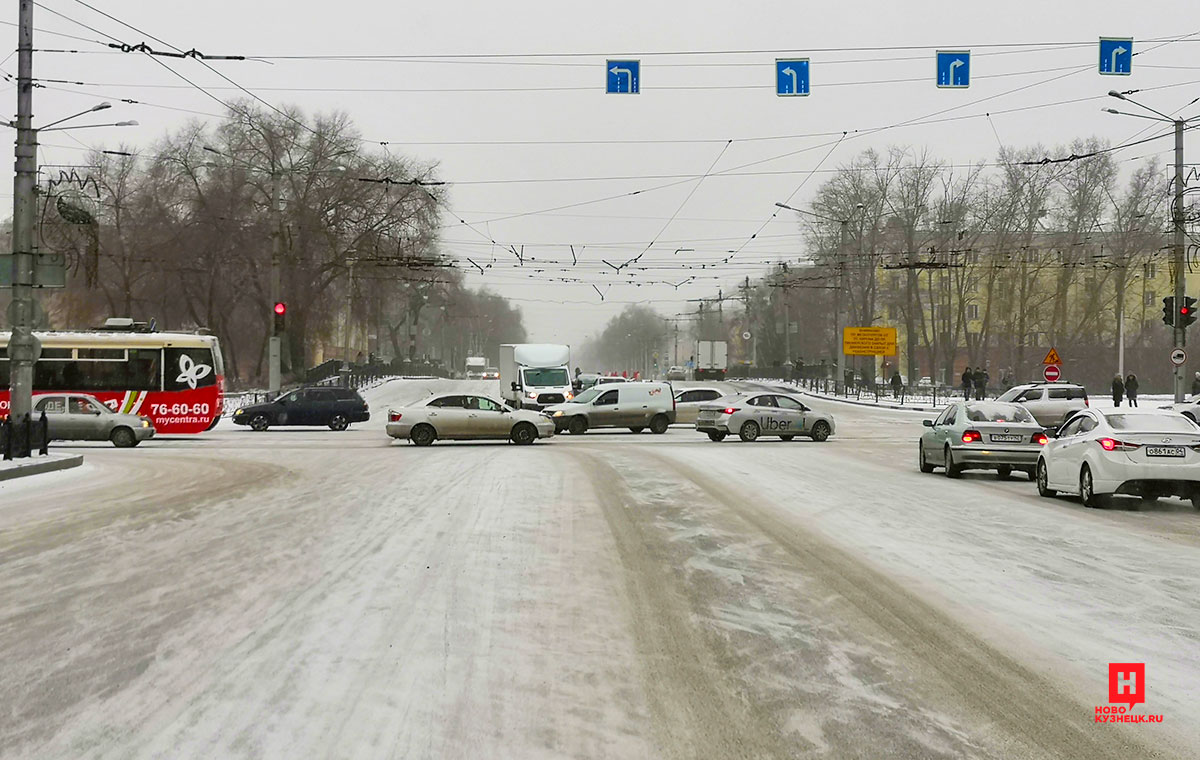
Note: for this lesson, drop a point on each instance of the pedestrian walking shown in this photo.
(1131, 389)
(968, 381)
(1118, 389)
(979, 381)
(1196, 384)
(897, 383)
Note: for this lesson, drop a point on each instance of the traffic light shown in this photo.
(1169, 311)
(1187, 312)
(280, 317)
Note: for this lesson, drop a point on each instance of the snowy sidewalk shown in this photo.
(19, 468)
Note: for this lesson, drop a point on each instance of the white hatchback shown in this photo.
(1097, 454)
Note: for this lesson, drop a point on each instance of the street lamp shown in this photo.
(1176, 217)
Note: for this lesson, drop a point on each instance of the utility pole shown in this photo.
(840, 378)
(787, 324)
(1180, 276)
(23, 346)
(274, 372)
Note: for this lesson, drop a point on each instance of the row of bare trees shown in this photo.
(988, 264)
(185, 233)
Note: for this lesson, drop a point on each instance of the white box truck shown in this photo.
(475, 367)
(535, 375)
(712, 359)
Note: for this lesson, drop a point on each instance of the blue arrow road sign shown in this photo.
(624, 77)
(791, 76)
(1116, 56)
(954, 68)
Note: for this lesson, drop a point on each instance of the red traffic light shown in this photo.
(1184, 310)
(280, 308)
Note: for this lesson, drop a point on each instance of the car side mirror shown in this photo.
(514, 386)
(927, 423)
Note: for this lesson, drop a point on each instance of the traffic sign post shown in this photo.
(791, 76)
(954, 69)
(1179, 357)
(1051, 373)
(1052, 357)
(623, 77)
(1116, 56)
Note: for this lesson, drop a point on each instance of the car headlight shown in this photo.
(559, 413)
(238, 412)
(145, 423)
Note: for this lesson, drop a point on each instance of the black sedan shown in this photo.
(334, 407)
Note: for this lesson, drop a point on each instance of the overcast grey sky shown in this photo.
(689, 109)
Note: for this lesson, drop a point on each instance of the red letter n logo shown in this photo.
(1127, 683)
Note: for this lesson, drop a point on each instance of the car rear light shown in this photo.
(1085, 401)
(1112, 444)
(728, 410)
(1040, 439)
(971, 436)
(394, 416)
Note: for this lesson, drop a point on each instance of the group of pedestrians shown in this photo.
(1128, 388)
(974, 382)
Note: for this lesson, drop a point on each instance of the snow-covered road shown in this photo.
(303, 593)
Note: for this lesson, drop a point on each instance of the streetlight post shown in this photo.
(1177, 247)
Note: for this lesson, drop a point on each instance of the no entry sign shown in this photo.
(1052, 373)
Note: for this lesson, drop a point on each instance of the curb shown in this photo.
(871, 405)
(38, 468)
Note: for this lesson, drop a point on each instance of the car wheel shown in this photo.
(1003, 471)
(1087, 490)
(952, 470)
(578, 425)
(259, 423)
(659, 424)
(636, 429)
(749, 432)
(787, 437)
(524, 433)
(339, 422)
(820, 431)
(716, 436)
(123, 438)
(423, 435)
(1042, 477)
(921, 462)
(1196, 499)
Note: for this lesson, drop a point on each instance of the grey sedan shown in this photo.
(79, 417)
(981, 435)
(466, 417)
(752, 415)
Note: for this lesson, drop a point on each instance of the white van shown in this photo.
(636, 405)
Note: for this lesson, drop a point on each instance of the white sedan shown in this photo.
(459, 416)
(1098, 453)
(689, 400)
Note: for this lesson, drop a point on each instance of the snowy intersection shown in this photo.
(302, 593)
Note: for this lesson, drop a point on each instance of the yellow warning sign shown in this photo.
(869, 341)
(1052, 357)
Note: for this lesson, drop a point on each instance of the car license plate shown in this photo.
(998, 438)
(1164, 451)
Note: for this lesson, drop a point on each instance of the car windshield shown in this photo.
(1010, 394)
(1152, 423)
(998, 412)
(546, 378)
(586, 396)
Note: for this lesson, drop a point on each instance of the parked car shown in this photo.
(467, 417)
(635, 405)
(981, 435)
(689, 400)
(1049, 403)
(336, 408)
(1148, 453)
(80, 417)
(677, 373)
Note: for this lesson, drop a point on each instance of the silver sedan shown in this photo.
(689, 400)
(466, 417)
(79, 417)
(982, 435)
(752, 415)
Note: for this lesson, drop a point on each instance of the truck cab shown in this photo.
(535, 375)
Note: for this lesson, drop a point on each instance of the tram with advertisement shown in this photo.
(177, 379)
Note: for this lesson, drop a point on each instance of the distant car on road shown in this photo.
(1097, 454)
(80, 417)
(677, 373)
(689, 400)
(460, 416)
(491, 373)
(981, 435)
(336, 408)
(635, 405)
(753, 415)
(1049, 403)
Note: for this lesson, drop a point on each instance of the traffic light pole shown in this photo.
(1178, 250)
(274, 373)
